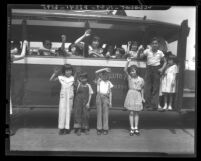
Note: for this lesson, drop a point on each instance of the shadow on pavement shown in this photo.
(48, 118)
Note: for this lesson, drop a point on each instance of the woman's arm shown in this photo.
(21, 56)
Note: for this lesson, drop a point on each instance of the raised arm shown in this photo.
(54, 76)
(21, 56)
(126, 66)
(86, 34)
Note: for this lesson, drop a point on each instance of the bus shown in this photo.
(31, 88)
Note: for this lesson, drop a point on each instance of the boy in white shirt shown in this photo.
(103, 100)
(153, 73)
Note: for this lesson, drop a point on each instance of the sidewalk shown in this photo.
(160, 132)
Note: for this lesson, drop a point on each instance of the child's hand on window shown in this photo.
(128, 59)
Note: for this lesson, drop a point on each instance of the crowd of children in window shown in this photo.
(93, 49)
(76, 91)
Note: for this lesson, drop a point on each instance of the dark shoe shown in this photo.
(66, 131)
(12, 133)
(105, 132)
(137, 132)
(78, 132)
(61, 132)
(99, 132)
(86, 132)
(131, 132)
(161, 110)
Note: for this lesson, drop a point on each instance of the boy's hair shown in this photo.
(121, 50)
(83, 75)
(66, 67)
(132, 67)
(16, 43)
(154, 39)
(96, 38)
(47, 41)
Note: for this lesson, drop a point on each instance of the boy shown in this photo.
(103, 100)
(153, 72)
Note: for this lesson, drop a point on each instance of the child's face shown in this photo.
(104, 76)
(170, 61)
(68, 73)
(134, 47)
(133, 72)
(95, 43)
(117, 52)
(83, 80)
(73, 50)
(155, 45)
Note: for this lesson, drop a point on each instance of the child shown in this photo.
(132, 49)
(82, 104)
(169, 81)
(153, 72)
(66, 97)
(94, 50)
(134, 97)
(103, 100)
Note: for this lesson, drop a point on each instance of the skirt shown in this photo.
(133, 100)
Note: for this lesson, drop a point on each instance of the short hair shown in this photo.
(16, 43)
(173, 57)
(134, 43)
(154, 39)
(66, 67)
(83, 75)
(132, 67)
(47, 41)
(121, 50)
(96, 38)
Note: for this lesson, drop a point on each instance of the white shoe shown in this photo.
(159, 107)
(165, 107)
(170, 108)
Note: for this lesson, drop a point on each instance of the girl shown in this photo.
(133, 49)
(82, 104)
(94, 50)
(66, 97)
(169, 81)
(135, 96)
(103, 100)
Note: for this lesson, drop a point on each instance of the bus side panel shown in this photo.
(32, 84)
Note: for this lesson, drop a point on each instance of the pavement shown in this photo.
(164, 132)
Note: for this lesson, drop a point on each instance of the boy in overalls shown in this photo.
(103, 100)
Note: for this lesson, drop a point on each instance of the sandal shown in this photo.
(137, 132)
(131, 132)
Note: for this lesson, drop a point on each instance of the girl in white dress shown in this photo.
(168, 84)
(134, 97)
(66, 97)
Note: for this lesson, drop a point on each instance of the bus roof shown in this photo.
(108, 26)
